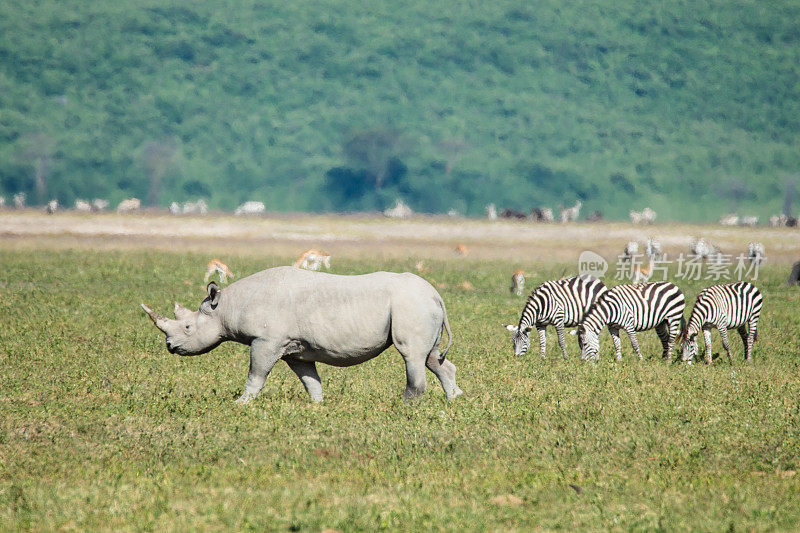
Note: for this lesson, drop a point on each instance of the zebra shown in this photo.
(639, 307)
(653, 249)
(728, 306)
(559, 303)
(755, 252)
(631, 249)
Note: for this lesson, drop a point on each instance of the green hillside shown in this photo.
(692, 108)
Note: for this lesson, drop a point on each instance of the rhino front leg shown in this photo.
(263, 356)
(307, 372)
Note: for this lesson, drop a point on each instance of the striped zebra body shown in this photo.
(633, 308)
(558, 303)
(728, 306)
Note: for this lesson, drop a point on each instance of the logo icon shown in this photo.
(590, 263)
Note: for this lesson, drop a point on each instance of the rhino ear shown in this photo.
(213, 294)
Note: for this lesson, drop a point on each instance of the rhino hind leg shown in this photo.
(446, 372)
(307, 372)
(415, 375)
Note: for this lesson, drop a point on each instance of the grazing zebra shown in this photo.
(640, 307)
(518, 282)
(652, 249)
(755, 252)
(559, 303)
(631, 249)
(731, 219)
(732, 305)
(705, 250)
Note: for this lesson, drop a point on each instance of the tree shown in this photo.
(37, 151)
(156, 158)
(372, 151)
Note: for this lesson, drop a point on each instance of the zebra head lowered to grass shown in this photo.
(558, 303)
(633, 308)
(727, 306)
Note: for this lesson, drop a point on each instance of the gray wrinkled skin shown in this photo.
(308, 317)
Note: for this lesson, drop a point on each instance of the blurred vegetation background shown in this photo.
(691, 108)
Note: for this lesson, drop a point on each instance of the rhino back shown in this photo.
(347, 317)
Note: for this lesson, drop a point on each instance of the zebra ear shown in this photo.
(510, 327)
(528, 329)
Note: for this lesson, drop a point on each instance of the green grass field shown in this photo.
(100, 428)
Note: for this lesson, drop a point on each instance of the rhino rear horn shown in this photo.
(180, 311)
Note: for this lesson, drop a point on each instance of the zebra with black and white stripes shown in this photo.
(728, 306)
(633, 308)
(558, 303)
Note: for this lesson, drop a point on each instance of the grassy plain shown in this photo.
(100, 428)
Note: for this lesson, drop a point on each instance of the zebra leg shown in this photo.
(752, 333)
(707, 341)
(634, 342)
(743, 334)
(542, 341)
(723, 333)
(663, 332)
(617, 343)
(561, 341)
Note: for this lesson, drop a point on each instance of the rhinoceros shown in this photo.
(306, 317)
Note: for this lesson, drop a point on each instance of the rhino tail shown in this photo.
(446, 328)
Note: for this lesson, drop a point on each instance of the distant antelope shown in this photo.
(645, 216)
(99, 204)
(642, 273)
(570, 214)
(778, 221)
(129, 205)
(215, 265)
(542, 214)
(250, 208)
(19, 200)
(82, 206)
(461, 250)
(518, 282)
(313, 260)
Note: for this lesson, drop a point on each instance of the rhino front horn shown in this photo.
(157, 319)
